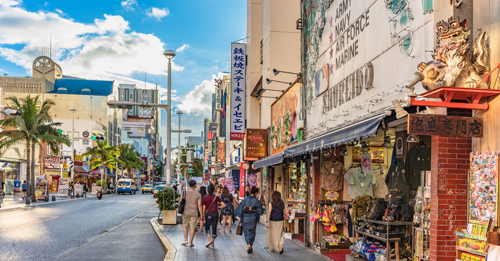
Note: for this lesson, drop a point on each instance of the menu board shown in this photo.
(483, 188)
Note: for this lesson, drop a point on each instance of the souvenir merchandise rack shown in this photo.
(297, 199)
(330, 216)
(387, 237)
(422, 224)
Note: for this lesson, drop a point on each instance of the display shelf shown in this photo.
(394, 223)
(471, 236)
(377, 237)
(471, 251)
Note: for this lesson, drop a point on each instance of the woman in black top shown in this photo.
(275, 216)
(203, 192)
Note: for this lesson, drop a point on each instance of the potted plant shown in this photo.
(167, 205)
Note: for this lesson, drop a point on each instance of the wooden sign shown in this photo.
(443, 125)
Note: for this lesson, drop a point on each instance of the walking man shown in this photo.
(190, 217)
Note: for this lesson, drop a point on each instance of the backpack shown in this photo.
(376, 209)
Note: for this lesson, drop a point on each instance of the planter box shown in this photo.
(169, 217)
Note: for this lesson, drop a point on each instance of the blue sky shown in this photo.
(122, 40)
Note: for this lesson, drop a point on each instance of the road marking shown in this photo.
(137, 197)
(29, 224)
(101, 235)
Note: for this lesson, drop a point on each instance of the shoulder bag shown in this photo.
(182, 204)
(210, 205)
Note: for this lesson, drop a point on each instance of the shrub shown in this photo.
(166, 199)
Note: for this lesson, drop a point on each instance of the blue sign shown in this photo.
(236, 178)
(17, 184)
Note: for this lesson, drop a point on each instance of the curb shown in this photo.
(169, 248)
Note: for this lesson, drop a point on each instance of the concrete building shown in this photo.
(140, 125)
(88, 97)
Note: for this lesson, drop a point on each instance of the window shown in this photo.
(261, 51)
(48, 150)
(127, 128)
(121, 97)
(131, 96)
(77, 134)
(140, 130)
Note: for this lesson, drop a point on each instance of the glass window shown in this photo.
(127, 128)
(131, 96)
(140, 130)
(77, 134)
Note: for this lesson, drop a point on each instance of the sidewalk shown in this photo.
(233, 247)
(11, 202)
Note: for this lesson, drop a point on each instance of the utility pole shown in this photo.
(170, 55)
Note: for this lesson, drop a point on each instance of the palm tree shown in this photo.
(33, 126)
(103, 155)
(197, 164)
(129, 159)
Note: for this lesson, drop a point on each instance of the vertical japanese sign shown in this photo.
(218, 99)
(238, 68)
(221, 150)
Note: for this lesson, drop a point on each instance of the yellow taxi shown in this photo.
(147, 188)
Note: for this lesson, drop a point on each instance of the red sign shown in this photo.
(255, 144)
(221, 150)
(85, 134)
(237, 136)
(242, 180)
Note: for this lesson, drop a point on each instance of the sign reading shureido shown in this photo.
(238, 68)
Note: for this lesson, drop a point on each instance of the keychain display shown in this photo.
(483, 188)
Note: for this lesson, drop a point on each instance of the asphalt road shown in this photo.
(79, 228)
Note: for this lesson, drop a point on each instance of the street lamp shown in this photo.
(116, 165)
(179, 113)
(170, 55)
(73, 146)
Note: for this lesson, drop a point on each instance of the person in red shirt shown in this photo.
(211, 207)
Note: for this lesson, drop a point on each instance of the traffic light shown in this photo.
(190, 168)
(98, 137)
(190, 156)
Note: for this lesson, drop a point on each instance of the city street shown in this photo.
(114, 228)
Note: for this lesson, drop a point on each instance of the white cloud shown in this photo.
(157, 13)
(129, 4)
(182, 48)
(104, 48)
(199, 100)
(59, 11)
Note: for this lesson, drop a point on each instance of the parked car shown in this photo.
(158, 188)
(147, 188)
(126, 186)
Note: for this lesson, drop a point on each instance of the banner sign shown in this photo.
(238, 87)
(256, 143)
(285, 119)
(252, 180)
(221, 150)
(444, 125)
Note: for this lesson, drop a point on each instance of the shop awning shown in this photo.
(80, 170)
(362, 129)
(269, 161)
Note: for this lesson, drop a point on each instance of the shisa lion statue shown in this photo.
(451, 65)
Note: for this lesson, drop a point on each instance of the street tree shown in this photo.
(103, 155)
(32, 127)
(129, 159)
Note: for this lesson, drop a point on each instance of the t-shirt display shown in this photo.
(380, 190)
(418, 159)
(361, 182)
(331, 175)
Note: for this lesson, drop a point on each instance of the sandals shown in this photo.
(250, 250)
(282, 248)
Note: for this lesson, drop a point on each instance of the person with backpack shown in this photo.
(249, 211)
(190, 215)
(211, 214)
(228, 210)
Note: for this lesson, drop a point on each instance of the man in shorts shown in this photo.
(190, 216)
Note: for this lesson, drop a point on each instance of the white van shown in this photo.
(126, 186)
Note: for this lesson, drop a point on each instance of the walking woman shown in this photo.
(211, 214)
(218, 193)
(249, 211)
(275, 215)
(203, 192)
(227, 212)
